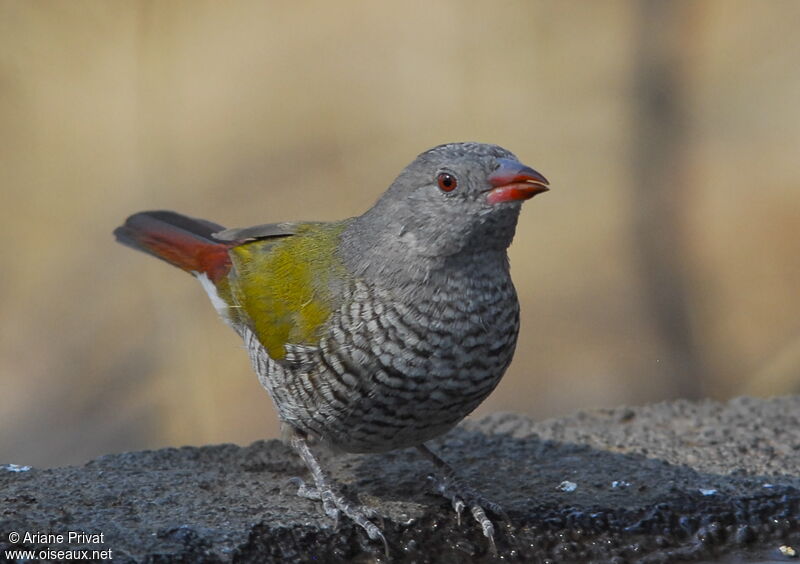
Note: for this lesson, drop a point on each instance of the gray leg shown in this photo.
(462, 496)
(333, 503)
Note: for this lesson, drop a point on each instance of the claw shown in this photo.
(492, 545)
(375, 533)
(458, 505)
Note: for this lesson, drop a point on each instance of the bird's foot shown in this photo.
(339, 501)
(333, 502)
(462, 496)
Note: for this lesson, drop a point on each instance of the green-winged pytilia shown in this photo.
(377, 332)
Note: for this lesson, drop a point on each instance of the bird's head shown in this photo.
(458, 197)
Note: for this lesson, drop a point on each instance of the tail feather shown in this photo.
(182, 241)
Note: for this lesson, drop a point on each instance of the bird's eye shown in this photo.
(447, 182)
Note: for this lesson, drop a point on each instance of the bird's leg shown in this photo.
(332, 502)
(461, 495)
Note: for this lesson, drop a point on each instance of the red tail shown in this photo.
(182, 241)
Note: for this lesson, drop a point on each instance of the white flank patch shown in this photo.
(211, 290)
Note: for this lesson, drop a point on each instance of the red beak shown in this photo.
(513, 181)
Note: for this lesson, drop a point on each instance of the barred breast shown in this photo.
(397, 369)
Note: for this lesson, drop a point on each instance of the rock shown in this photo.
(660, 483)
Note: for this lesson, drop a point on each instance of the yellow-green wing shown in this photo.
(287, 287)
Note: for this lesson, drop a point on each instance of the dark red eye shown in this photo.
(447, 182)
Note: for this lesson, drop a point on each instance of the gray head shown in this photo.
(454, 198)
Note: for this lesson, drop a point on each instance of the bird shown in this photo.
(377, 332)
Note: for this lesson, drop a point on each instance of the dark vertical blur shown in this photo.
(663, 184)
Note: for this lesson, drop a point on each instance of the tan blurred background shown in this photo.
(664, 263)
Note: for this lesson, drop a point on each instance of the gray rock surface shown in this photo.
(668, 482)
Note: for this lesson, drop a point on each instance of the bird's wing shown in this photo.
(287, 287)
(265, 231)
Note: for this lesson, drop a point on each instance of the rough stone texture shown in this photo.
(669, 482)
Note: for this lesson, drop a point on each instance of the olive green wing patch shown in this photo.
(287, 287)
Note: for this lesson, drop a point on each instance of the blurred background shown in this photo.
(664, 263)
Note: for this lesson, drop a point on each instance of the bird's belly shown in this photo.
(397, 410)
(399, 375)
